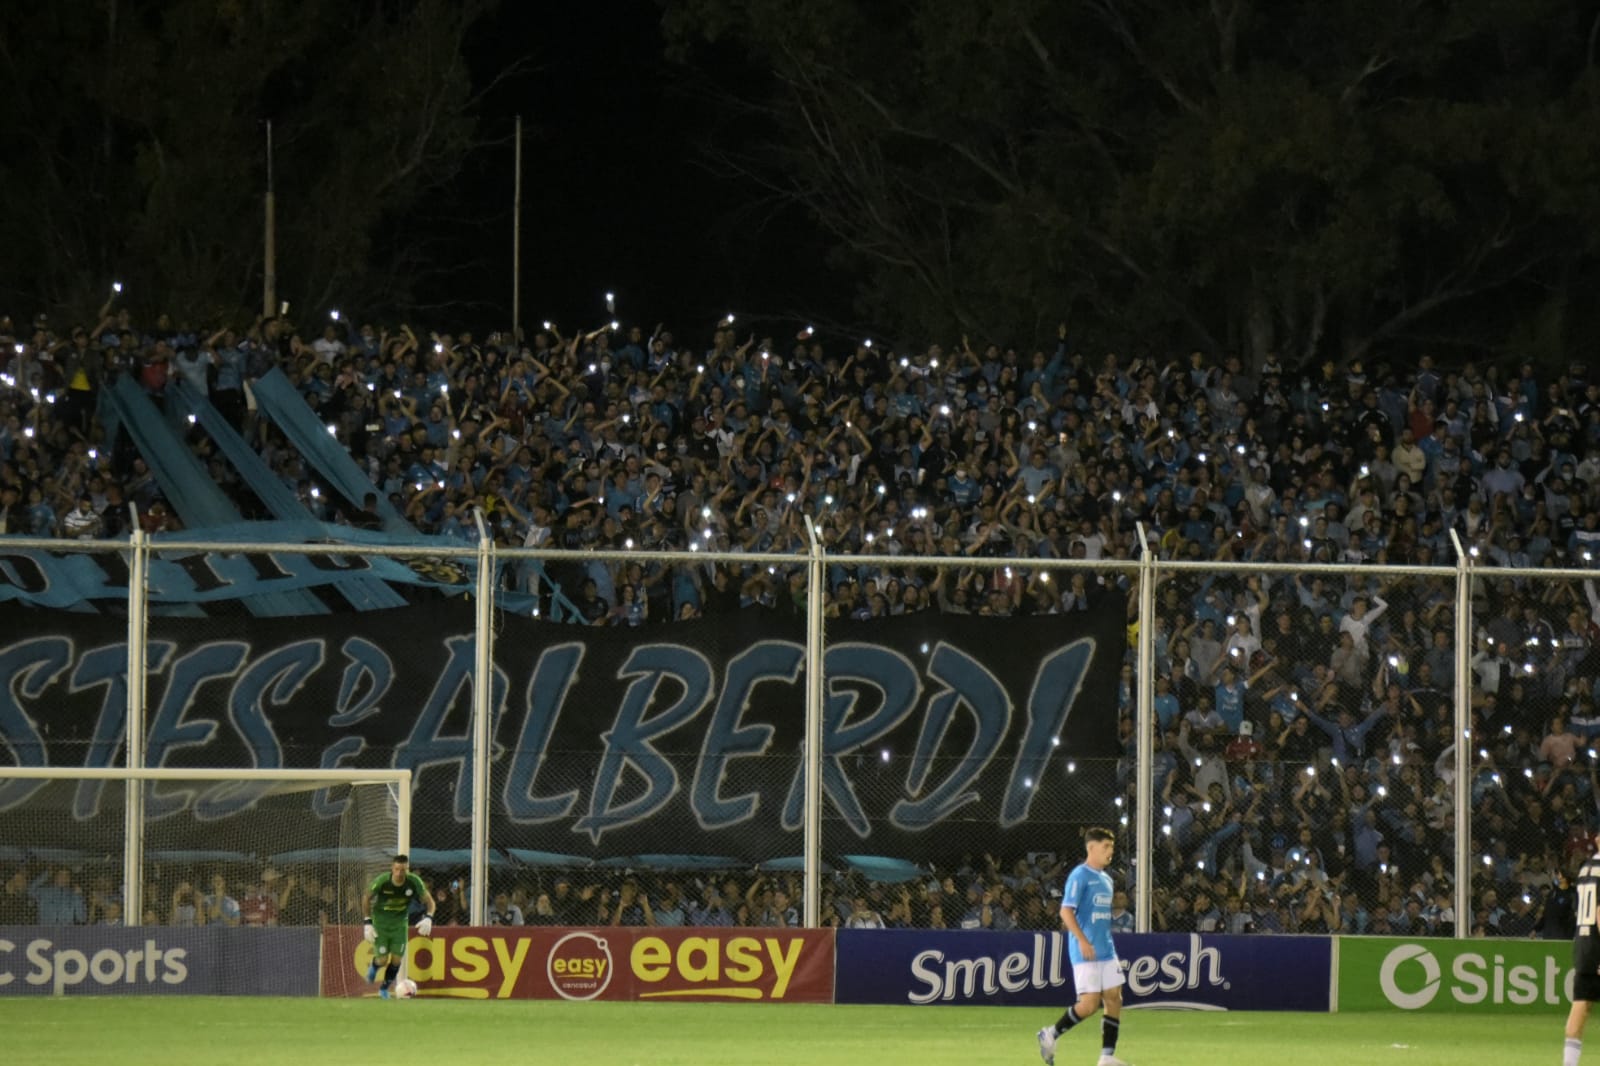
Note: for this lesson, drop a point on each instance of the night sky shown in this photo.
(619, 192)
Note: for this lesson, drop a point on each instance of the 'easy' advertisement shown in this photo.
(1166, 970)
(609, 963)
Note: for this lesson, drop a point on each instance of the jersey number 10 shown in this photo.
(1586, 906)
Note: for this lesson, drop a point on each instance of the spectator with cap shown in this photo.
(262, 903)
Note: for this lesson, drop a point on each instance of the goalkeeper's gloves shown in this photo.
(425, 926)
(369, 934)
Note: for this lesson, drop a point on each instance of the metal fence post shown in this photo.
(813, 742)
(482, 710)
(138, 623)
(1144, 715)
(1463, 740)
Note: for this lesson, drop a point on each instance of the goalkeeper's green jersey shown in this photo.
(391, 902)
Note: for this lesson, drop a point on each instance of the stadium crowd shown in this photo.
(1305, 761)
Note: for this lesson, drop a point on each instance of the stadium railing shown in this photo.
(1417, 794)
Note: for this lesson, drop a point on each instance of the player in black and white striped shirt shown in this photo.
(1585, 953)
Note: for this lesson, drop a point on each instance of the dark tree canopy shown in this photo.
(1320, 178)
(135, 148)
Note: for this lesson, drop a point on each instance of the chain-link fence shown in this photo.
(1303, 772)
(1304, 762)
(61, 843)
(626, 786)
(956, 785)
(271, 680)
(220, 847)
(61, 848)
(657, 772)
(1532, 672)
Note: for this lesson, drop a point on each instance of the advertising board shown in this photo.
(1166, 970)
(108, 960)
(1427, 974)
(607, 963)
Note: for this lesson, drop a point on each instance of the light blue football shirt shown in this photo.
(1088, 892)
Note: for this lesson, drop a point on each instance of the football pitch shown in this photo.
(309, 1032)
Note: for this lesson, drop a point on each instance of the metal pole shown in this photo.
(516, 243)
(111, 54)
(482, 701)
(1144, 788)
(133, 842)
(1464, 740)
(813, 744)
(269, 277)
(402, 803)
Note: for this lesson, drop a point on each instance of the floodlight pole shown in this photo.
(516, 243)
(269, 274)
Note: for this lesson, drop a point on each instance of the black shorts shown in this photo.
(1586, 988)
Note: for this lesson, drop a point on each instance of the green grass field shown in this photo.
(310, 1032)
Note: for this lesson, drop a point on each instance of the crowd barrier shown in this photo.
(1167, 971)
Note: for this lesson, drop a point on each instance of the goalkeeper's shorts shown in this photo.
(391, 938)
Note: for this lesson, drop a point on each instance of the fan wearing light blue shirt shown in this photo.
(1096, 971)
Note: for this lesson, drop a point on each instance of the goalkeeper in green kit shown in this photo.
(389, 905)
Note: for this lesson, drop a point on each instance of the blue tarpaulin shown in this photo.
(188, 488)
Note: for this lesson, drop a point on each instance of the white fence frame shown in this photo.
(1147, 569)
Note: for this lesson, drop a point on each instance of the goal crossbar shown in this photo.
(399, 778)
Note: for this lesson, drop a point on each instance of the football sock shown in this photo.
(390, 974)
(372, 972)
(1068, 1020)
(1574, 1048)
(1109, 1028)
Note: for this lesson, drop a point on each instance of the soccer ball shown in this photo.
(405, 988)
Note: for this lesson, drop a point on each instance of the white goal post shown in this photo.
(395, 785)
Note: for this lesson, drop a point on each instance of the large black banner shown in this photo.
(682, 738)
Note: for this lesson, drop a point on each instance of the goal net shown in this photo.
(197, 847)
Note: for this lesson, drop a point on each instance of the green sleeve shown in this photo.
(417, 886)
(372, 889)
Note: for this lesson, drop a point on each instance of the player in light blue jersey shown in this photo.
(1096, 971)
